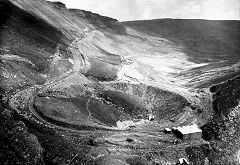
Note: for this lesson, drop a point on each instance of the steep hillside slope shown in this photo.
(80, 88)
(213, 43)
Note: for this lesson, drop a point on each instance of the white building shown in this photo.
(187, 132)
(167, 130)
(183, 161)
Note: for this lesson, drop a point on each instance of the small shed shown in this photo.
(188, 132)
(183, 161)
(167, 130)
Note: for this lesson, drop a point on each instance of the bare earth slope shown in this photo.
(79, 88)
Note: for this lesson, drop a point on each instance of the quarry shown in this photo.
(81, 88)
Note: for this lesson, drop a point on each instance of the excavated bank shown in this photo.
(108, 105)
(69, 77)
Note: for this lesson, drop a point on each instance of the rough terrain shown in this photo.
(80, 88)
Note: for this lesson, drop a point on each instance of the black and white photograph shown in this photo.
(119, 82)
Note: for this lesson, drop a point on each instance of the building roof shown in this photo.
(183, 160)
(168, 129)
(189, 129)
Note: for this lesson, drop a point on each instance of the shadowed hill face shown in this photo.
(25, 34)
(204, 41)
(80, 88)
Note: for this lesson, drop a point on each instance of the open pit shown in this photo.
(80, 88)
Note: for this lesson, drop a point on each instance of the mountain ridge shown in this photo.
(69, 77)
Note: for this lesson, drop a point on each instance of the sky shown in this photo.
(125, 10)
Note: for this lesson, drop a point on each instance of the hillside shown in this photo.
(213, 43)
(69, 77)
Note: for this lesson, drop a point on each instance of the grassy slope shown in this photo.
(204, 40)
(215, 43)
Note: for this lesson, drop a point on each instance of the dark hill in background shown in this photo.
(80, 88)
(205, 40)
